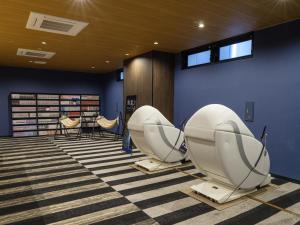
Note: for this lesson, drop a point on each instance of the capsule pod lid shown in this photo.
(147, 115)
(215, 117)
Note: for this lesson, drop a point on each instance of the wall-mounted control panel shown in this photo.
(249, 111)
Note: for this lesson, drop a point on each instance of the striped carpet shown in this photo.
(91, 182)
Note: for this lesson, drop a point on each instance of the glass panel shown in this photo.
(199, 58)
(122, 75)
(236, 50)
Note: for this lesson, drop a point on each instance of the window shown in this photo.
(236, 50)
(221, 51)
(198, 58)
(120, 75)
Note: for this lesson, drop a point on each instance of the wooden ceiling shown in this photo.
(117, 27)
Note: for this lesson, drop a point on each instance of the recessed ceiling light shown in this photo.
(44, 42)
(156, 43)
(107, 61)
(201, 25)
(127, 54)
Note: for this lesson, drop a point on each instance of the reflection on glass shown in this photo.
(236, 50)
(199, 58)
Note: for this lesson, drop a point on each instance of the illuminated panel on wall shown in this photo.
(236, 50)
(198, 58)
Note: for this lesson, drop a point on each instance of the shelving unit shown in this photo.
(34, 114)
(70, 106)
(90, 108)
(48, 113)
(23, 115)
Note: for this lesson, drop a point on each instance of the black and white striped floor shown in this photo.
(91, 182)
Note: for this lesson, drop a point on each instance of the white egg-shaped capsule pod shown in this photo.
(155, 136)
(222, 147)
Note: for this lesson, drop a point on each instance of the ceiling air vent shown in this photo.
(40, 62)
(53, 24)
(35, 53)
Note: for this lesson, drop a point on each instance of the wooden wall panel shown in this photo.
(138, 79)
(163, 83)
(150, 77)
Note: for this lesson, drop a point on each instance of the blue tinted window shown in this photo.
(198, 58)
(236, 50)
(122, 75)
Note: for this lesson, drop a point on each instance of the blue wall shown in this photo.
(271, 79)
(39, 81)
(113, 96)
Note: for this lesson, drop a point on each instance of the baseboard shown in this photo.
(111, 132)
(5, 136)
(286, 178)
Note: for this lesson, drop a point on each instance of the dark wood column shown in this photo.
(151, 78)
